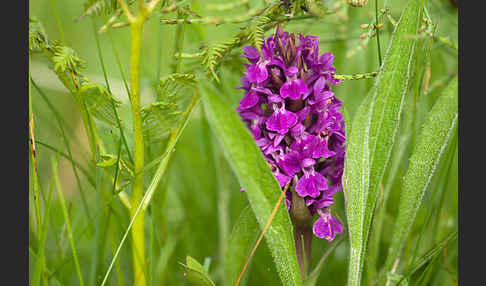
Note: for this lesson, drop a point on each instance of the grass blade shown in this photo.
(373, 135)
(254, 175)
(68, 148)
(243, 236)
(312, 279)
(68, 227)
(436, 135)
(40, 264)
(432, 254)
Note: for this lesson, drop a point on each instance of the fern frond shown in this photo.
(37, 35)
(99, 101)
(171, 87)
(98, 7)
(213, 54)
(161, 118)
(182, 78)
(65, 58)
(256, 31)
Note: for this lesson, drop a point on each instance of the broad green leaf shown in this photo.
(99, 102)
(254, 174)
(399, 151)
(195, 273)
(373, 135)
(435, 136)
(243, 237)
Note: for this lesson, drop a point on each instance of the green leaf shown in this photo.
(195, 273)
(99, 102)
(243, 237)
(435, 136)
(254, 174)
(373, 135)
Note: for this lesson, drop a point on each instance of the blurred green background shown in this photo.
(199, 195)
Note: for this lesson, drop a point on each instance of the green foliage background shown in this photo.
(198, 201)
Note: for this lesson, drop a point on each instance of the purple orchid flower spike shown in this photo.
(294, 116)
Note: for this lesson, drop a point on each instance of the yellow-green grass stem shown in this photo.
(138, 233)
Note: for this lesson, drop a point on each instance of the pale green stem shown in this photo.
(138, 233)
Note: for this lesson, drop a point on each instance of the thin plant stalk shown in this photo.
(68, 148)
(35, 187)
(68, 228)
(138, 232)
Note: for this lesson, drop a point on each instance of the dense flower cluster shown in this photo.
(294, 117)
